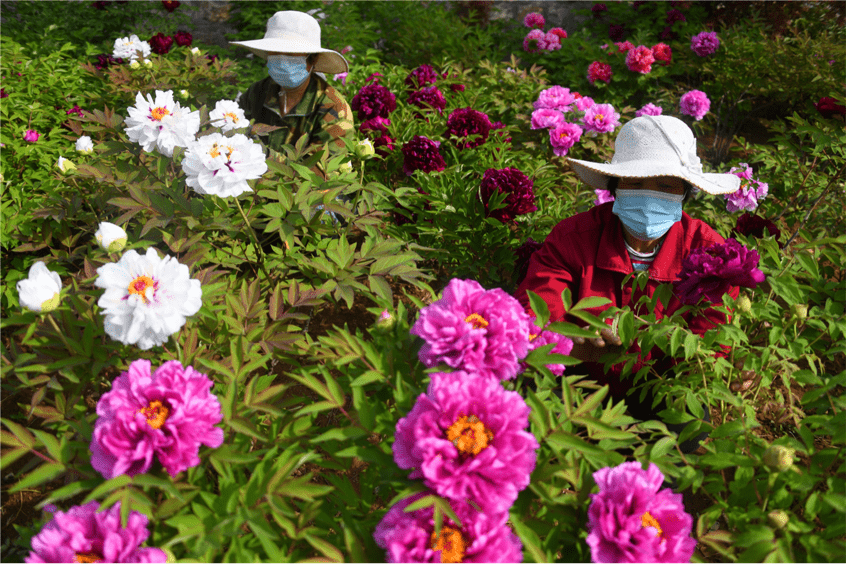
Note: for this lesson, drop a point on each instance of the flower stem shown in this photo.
(59, 332)
(259, 252)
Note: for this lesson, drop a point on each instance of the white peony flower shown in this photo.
(110, 237)
(40, 291)
(84, 145)
(128, 47)
(147, 299)
(220, 165)
(65, 165)
(162, 124)
(228, 115)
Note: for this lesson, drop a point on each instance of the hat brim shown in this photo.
(597, 174)
(330, 62)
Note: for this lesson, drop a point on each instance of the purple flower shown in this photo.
(640, 59)
(464, 122)
(555, 98)
(746, 197)
(539, 337)
(546, 118)
(601, 118)
(668, 34)
(751, 225)
(373, 100)
(161, 43)
(466, 438)
(632, 519)
(473, 329)
(674, 16)
(421, 153)
(411, 537)
(705, 43)
(599, 71)
(563, 137)
(695, 103)
(428, 98)
(167, 414)
(421, 76)
(183, 38)
(602, 196)
(83, 535)
(383, 145)
(377, 124)
(534, 19)
(710, 271)
(31, 136)
(649, 109)
(534, 41)
(520, 195)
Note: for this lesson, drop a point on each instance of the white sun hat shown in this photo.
(296, 32)
(649, 146)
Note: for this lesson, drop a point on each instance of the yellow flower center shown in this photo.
(139, 286)
(216, 149)
(469, 435)
(563, 134)
(532, 337)
(451, 544)
(648, 520)
(156, 414)
(88, 557)
(232, 116)
(476, 320)
(600, 117)
(159, 113)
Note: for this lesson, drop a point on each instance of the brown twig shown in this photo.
(816, 203)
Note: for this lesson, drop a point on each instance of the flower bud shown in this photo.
(195, 51)
(386, 320)
(778, 518)
(779, 458)
(184, 94)
(134, 65)
(65, 165)
(365, 149)
(744, 304)
(800, 312)
(346, 167)
(110, 237)
(84, 145)
(148, 63)
(40, 291)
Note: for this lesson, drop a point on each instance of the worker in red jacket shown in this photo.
(653, 172)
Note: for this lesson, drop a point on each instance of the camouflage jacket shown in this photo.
(322, 113)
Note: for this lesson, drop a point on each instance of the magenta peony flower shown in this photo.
(695, 103)
(662, 53)
(519, 190)
(374, 78)
(466, 438)
(649, 109)
(421, 76)
(535, 41)
(411, 537)
(534, 19)
(373, 100)
(377, 123)
(599, 71)
(421, 153)
(640, 59)
(624, 47)
(555, 98)
(161, 43)
(560, 32)
(602, 196)
(31, 136)
(632, 519)
(705, 43)
(83, 535)
(601, 118)
(584, 102)
(183, 38)
(428, 98)
(751, 225)
(464, 122)
(552, 42)
(616, 32)
(710, 271)
(546, 118)
(564, 136)
(75, 110)
(674, 16)
(473, 329)
(540, 337)
(167, 414)
(828, 107)
(170, 5)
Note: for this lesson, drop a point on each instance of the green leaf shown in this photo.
(40, 475)
(108, 486)
(662, 447)
(589, 302)
(592, 402)
(530, 539)
(340, 434)
(326, 548)
(539, 307)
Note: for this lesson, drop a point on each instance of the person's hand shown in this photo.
(746, 381)
(592, 348)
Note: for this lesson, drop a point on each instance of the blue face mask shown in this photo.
(288, 71)
(647, 214)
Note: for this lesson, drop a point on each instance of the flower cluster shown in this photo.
(470, 126)
(551, 112)
(705, 43)
(537, 40)
(162, 124)
(421, 153)
(662, 53)
(373, 100)
(750, 192)
(695, 103)
(518, 191)
(709, 272)
(220, 165)
(383, 144)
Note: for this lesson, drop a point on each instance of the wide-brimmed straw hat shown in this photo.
(650, 146)
(296, 32)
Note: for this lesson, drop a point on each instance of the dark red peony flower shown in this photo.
(465, 122)
(616, 32)
(828, 106)
(638, 3)
(597, 9)
(211, 58)
(421, 76)
(599, 71)
(517, 187)
(662, 53)
(75, 110)
(752, 225)
(104, 61)
(428, 98)
(100, 5)
(674, 16)
(421, 153)
(499, 127)
(183, 38)
(379, 124)
(384, 145)
(373, 100)
(3, 93)
(709, 272)
(161, 43)
(170, 5)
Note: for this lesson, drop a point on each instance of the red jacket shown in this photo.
(587, 254)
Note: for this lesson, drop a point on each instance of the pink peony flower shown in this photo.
(421, 76)
(649, 109)
(534, 19)
(519, 190)
(695, 103)
(167, 414)
(31, 136)
(428, 98)
(709, 272)
(373, 100)
(674, 16)
(473, 329)
(183, 38)
(342, 77)
(466, 438)
(602, 196)
(584, 102)
(545, 118)
(563, 137)
(555, 98)
(161, 43)
(599, 71)
(624, 47)
(411, 537)
(552, 42)
(828, 107)
(81, 534)
(705, 43)
(421, 153)
(601, 118)
(535, 41)
(640, 59)
(560, 32)
(541, 337)
(632, 519)
(466, 122)
(746, 197)
(662, 53)
(751, 225)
